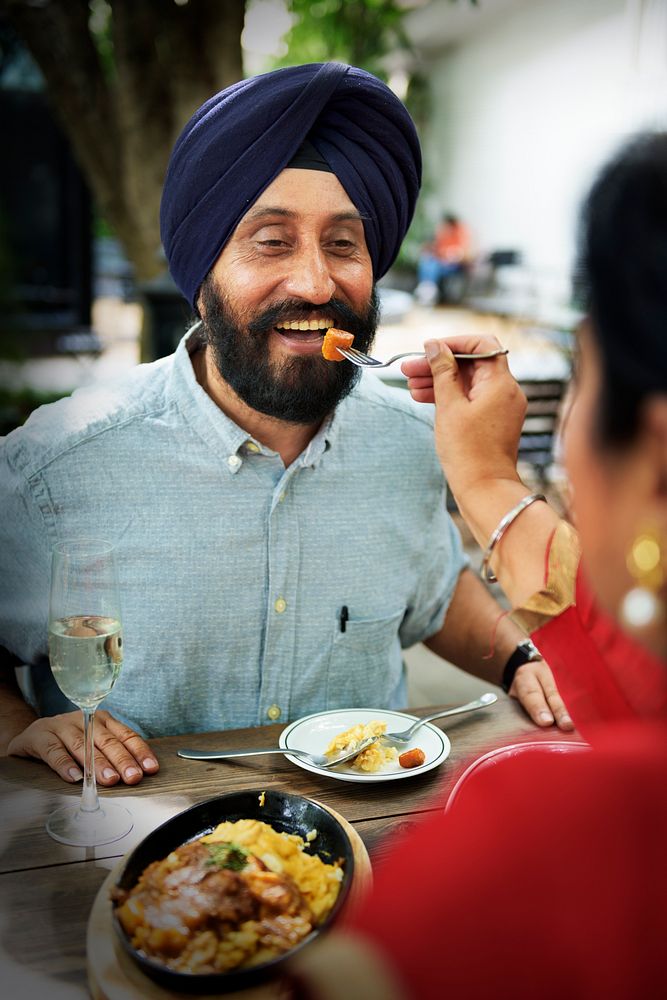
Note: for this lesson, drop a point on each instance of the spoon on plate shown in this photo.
(318, 759)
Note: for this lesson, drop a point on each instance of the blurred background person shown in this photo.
(448, 253)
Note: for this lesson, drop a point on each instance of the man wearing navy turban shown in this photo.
(331, 119)
(280, 524)
(241, 139)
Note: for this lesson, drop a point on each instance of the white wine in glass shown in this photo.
(86, 654)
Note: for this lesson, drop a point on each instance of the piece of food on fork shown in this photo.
(333, 339)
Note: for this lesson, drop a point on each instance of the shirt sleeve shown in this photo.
(26, 541)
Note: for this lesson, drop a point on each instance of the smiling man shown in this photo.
(296, 265)
(280, 522)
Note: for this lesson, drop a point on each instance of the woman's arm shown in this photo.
(479, 415)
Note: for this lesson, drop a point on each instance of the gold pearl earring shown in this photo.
(642, 606)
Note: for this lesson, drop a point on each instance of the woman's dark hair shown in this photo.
(622, 276)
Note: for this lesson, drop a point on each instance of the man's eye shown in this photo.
(273, 243)
(345, 245)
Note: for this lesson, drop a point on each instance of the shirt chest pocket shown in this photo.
(365, 665)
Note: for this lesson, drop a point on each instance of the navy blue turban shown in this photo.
(238, 142)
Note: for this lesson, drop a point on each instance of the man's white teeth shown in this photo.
(305, 324)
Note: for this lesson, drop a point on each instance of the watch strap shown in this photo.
(525, 652)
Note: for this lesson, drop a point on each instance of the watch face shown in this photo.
(530, 649)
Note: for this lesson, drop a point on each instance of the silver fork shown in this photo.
(319, 760)
(406, 735)
(366, 361)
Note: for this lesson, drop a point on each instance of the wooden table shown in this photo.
(47, 889)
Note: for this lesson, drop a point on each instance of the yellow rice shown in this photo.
(371, 759)
(284, 853)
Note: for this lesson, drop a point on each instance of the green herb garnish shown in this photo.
(228, 855)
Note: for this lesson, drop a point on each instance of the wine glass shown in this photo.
(86, 653)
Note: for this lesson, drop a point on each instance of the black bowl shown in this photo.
(281, 810)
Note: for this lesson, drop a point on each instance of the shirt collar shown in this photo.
(213, 424)
(195, 403)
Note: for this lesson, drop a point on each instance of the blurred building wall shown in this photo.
(529, 97)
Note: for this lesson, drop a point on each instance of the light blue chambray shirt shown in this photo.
(233, 569)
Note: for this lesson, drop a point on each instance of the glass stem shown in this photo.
(89, 799)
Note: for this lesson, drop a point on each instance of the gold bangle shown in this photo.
(503, 525)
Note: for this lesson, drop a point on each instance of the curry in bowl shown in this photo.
(219, 895)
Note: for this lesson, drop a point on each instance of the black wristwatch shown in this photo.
(525, 652)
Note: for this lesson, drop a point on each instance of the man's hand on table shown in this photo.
(535, 689)
(120, 754)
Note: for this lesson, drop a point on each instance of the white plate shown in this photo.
(314, 733)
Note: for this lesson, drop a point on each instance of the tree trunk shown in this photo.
(124, 96)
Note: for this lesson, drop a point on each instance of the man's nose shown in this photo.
(309, 277)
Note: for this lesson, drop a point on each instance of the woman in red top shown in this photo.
(548, 876)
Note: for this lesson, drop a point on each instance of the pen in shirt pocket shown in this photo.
(344, 615)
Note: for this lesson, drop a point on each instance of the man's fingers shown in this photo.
(66, 739)
(545, 678)
(59, 760)
(44, 744)
(55, 754)
(59, 741)
(561, 714)
(535, 689)
(133, 744)
(534, 703)
(105, 774)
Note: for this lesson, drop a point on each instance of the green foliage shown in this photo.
(364, 33)
(16, 405)
(359, 33)
(101, 226)
(99, 23)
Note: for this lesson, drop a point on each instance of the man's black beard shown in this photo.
(302, 389)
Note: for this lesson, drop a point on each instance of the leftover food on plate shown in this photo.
(412, 758)
(333, 339)
(374, 757)
(313, 733)
(235, 898)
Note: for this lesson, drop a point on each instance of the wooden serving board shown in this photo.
(112, 975)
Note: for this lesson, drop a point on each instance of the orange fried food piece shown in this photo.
(333, 339)
(412, 758)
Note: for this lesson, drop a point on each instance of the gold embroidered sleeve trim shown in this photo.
(558, 592)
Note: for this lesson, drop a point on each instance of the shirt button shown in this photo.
(234, 462)
(251, 446)
(274, 712)
(282, 497)
(280, 605)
